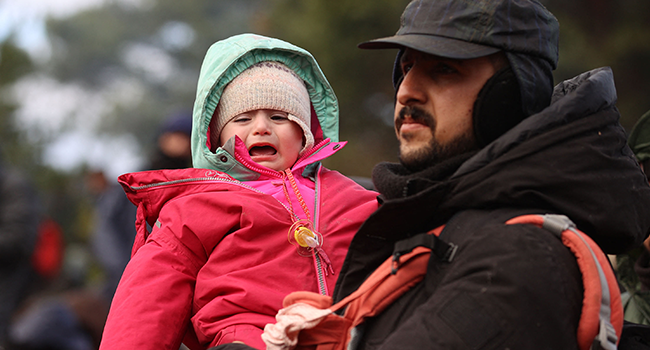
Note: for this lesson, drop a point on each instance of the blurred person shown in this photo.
(114, 228)
(72, 316)
(20, 215)
(69, 319)
(258, 217)
(173, 146)
(64, 312)
(49, 250)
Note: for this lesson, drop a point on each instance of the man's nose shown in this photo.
(411, 91)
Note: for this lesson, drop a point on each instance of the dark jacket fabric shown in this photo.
(509, 286)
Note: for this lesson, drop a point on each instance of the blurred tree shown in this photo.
(14, 64)
(613, 33)
(56, 189)
(144, 60)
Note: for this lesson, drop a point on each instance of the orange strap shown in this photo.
(383, 287)
(601, 319)
(378, 291)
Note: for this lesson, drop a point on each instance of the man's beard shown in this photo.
(434, 152)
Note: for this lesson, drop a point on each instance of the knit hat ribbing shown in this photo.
(265, 85)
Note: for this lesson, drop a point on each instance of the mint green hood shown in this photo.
(228, 58)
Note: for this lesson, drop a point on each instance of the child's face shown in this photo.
(271, 138)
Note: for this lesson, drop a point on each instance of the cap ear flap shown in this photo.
(397, 70)
(498, 107)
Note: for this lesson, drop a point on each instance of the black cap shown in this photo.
(463, 29)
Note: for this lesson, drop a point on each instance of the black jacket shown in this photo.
(512, 286)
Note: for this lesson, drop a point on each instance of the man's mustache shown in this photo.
(417, 114)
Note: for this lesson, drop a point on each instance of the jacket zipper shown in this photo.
(319, 255)
(174, 182)
(322, 287)
(199, 179)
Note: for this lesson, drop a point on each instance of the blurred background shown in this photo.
(87, 85)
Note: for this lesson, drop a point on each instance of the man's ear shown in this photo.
(498, 107)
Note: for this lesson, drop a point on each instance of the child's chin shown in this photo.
(269, 165)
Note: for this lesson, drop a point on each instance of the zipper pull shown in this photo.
(328, 263)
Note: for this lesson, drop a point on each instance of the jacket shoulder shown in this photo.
(504, 282)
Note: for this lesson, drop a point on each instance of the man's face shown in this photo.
(434, 105)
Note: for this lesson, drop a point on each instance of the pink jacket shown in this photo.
(218, 263)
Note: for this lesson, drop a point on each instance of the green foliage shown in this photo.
(92, 49)
(615, 33)
(59, 200)
(14, 63)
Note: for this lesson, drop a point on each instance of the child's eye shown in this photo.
(241, 119)
(279, 117)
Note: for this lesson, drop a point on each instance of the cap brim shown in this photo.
(434, 45)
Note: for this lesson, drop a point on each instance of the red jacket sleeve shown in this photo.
(152, 305)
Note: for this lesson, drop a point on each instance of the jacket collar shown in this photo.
(234, 160)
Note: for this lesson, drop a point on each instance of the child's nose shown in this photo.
(262, 126)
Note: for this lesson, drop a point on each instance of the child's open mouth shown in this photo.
(260, 151)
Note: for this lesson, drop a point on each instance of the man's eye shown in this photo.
(444, 68)
(406, 68)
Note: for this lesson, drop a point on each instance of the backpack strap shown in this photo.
(385, 285)
(303, 311)
(442, 250)
(310, 316)
(601, 319)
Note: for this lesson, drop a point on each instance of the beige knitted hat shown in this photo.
(265, 85)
